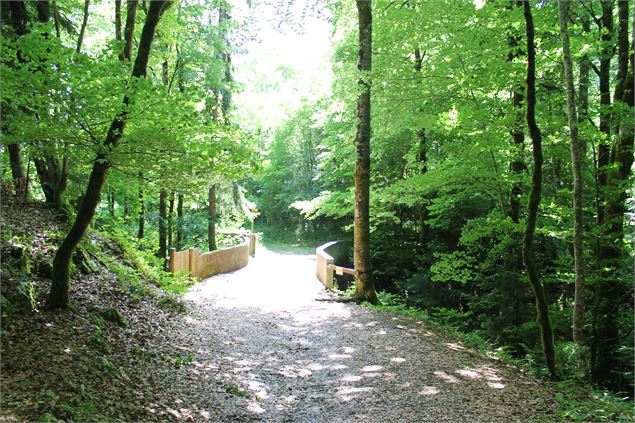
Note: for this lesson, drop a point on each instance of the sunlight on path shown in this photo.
(272, 281)
(259, 335)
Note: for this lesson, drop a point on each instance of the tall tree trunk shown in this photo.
(605, 103)
(18, 21)
(163, 238)
(578, 186)
(118, 37)
(82, 31)
(52, 174)
(179, 222)
(111, 202)
(56, 19)
(60, 286)
(422, 159)
(364, 283)
(546, 331)
(611, 288)
(126, 53)
(223, 96)
(171, 220)
(211, 217)
(18, 171)
(142, 209)
(517, 163)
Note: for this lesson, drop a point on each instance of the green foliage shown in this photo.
(584, 405)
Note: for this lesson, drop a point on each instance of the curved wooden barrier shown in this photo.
(326, 258)
(204, 265)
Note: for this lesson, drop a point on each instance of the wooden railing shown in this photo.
(327, 256)
(204, 265)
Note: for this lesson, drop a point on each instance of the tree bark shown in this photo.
(179, 222)
(53, 177)
(578, 185)
(605, 103)
(211, 217)
(82, 31)
(142, 209)
(56, 18)
(163, 238)
(118, 37)
(225, 91)
(517, 164)
(60, 286)
(126, 53)
(52, 174)
(171, 220)
(546, 331)
(364, 283)
(611, 288)
(18, 171)
(111, 203)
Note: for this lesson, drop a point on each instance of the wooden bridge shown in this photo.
(204, 265)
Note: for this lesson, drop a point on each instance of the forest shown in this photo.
(479, 154)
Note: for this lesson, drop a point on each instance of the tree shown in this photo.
(364, 284)
(546, 331)
(615, 168)
(578, 182)
(60, 286)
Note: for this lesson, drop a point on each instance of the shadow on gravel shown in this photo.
(286, 357)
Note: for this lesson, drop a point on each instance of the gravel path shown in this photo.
(263, 349)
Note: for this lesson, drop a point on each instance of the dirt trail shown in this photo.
(263, 349)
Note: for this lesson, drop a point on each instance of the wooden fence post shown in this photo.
(252, 244)
(192, 253)
(172, 260)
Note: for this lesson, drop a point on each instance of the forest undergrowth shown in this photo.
(95, 361)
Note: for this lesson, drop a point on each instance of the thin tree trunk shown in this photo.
(171, 220)
(179, 222)
(163, 239)
(546, 331)
(56, 19)
(142, 209)
(225, 91)
(126, 53)
(364, 283)
(605, 104)
(423, 209)
(118, 37)
(82, 31)
(111, 202)
(578, 186)
(211, 217)
(60, 286)
(517, 164)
